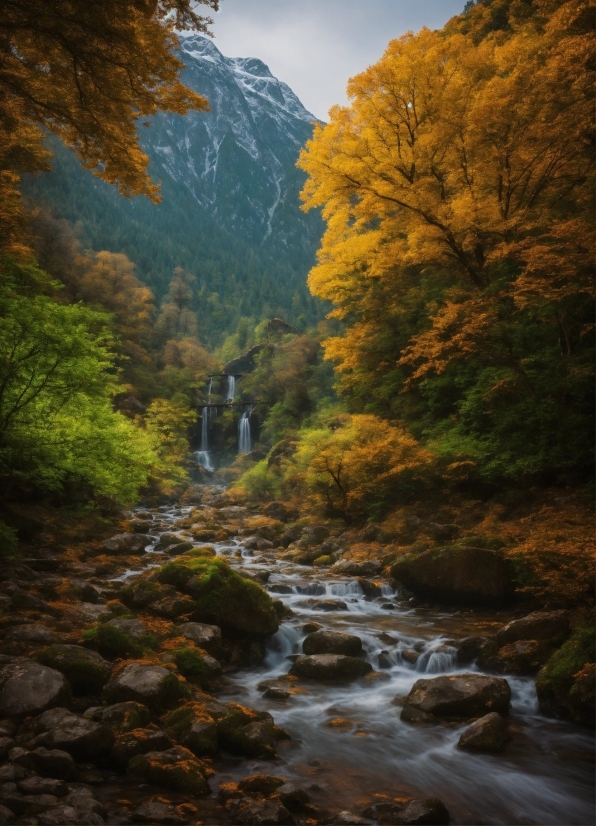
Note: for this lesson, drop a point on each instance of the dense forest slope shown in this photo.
(230, 213)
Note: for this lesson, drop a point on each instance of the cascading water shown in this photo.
(202, 456)
(231, 388)
(244, 441)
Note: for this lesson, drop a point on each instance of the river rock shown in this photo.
(333, 667)
(173, 607)
(157, 811)
(260, 784)
(59, 728)
(94, 613)
(455, 697)
(151, 685)
(28, 688)
(332, 642)
(43, 785)
(549, 626)
(489, 733)
(293, 797)
(6, 815)
(133, 628)
(84, 669)
(48, 763)
(457, 575)
(258, 812)
(428, 810)
(127, 543)
(62, 815)
(469, 648)
(176, 769)
(351, 568)
(194, 728)
(523, 658)
(30, 633)
(139, 741)
(279, 511)
(120, 717)
(179, 548)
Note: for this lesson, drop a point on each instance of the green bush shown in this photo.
(190, 664)
(112, 642)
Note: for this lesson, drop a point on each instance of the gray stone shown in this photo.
(6, 816)
(349, 567)
(62, 815)
(48, 763)
(156, 811)
(293, 797)
(332, 642)
(43, 785)
(59, 728)
(332, 667)
(489, 733)
(84, 669)
(205, 636)
(151, 685)
(548, 626)
(458, 696)
(30, 633)
(258, 812)
(127, 543)
(27, 688)
(133, 628)
(120, 717)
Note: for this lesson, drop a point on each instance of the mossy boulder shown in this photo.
(565, 686)
(246, 731)
(176, 769)
(194, 728)
(489, 733)
(457, 575)
(84, 669)
(113, 642)
(139, 741)
(120, 717)
(222, 596)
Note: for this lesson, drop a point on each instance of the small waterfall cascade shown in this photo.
(210, 388)
(244, 440)
(202, 456)
(231, 389)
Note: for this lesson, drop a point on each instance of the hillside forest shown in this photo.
(436, 389)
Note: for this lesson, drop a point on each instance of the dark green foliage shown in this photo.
(556, 683)
(190, 664)
(9, 543)
(112, 642)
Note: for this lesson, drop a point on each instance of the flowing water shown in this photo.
(244, 440)
(349, 746)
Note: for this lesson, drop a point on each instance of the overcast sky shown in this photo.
(316, 45)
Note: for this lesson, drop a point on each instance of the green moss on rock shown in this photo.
(83, 669)
(564, 685)
(222, 596)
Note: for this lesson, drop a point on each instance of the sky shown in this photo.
(315, 46)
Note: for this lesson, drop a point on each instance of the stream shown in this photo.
(349, 747)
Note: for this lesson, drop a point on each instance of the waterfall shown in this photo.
(205, 429)
(231, 388)
(210, 388)
(203, 459)
(244, 445)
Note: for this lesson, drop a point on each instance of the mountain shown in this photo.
(230, 212)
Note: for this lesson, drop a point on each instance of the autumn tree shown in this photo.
(89, 71)
(458, 244)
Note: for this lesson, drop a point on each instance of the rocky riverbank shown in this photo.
(172, 673)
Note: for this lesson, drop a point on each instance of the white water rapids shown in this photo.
(544, 775)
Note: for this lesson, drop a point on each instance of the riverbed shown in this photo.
(349, 747)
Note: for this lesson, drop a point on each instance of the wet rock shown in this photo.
(30, 633)
(350, 567)
(470, 648)
(144, 593)
(7, 728)
(311, 627)
(332, 642)
(194, 728)
(257, 543)
(173, 607)
(12, 772)
(457, 575)
(140, 525)
(260, 739)
(371, 590)
(62, 815)
(84, 669)
(139, 741)
(28, 688)
(290, 535)
(243, 730)
(458, 696)
(409, 656)
(25, 804)
(523, 658)
(176, 768)
(151, 685)
(48, 763)
(127, 543)
(333, 667)
(274, 693)
(325, 604)
(258, 812)
(348, 819)
(6, 816)
(489, 733)
(260, 784)
(43, 785)
(429, 811)
(94, 613)
(293, 797)
(549, 626)
(121, 717)
(133, 628)
(156, 811)
(59, 728)
(6, 744)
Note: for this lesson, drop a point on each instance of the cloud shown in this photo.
(315, 46)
